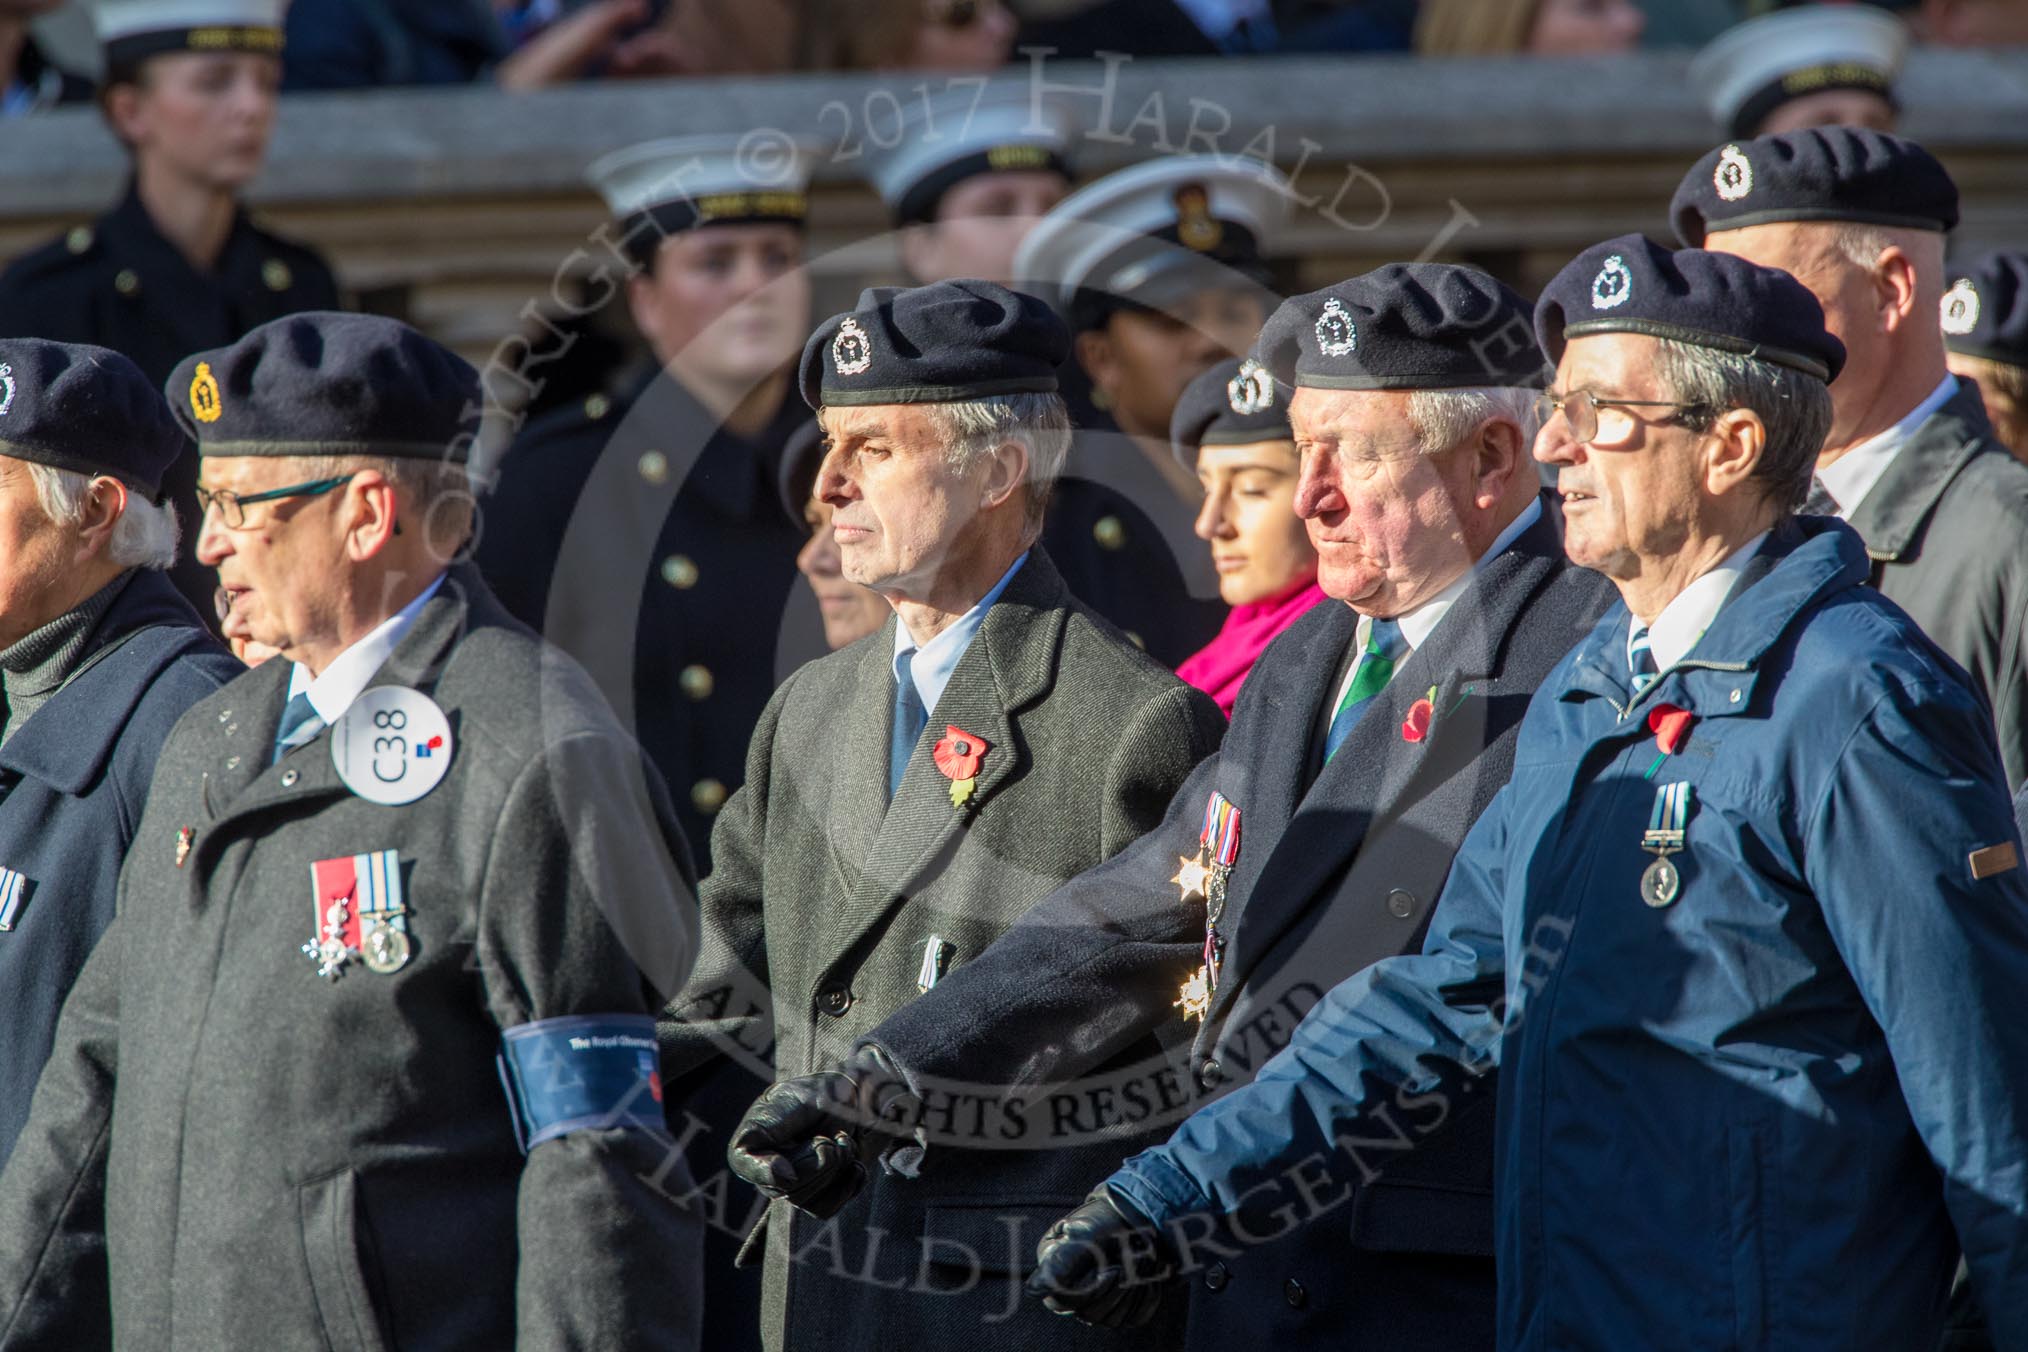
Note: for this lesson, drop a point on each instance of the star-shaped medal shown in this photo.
(1195, 1001)
(1193, 877)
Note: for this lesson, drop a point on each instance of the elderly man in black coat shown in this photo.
(99, 656)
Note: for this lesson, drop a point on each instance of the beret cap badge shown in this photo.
(1252, 390)
(1961, 308)
(1732, 177)
(6, 388)
(206, 403)
(851, 350)
(1337, 335)
(1196, 227)
(1613, 285)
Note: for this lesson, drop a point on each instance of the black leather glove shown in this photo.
(1105, 1262)
(812, 1141)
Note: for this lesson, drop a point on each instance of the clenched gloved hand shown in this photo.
(1105, 1262)
(811, 1141)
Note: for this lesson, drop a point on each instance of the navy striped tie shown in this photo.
(299, 724)
(910, 718)
(1641, 659)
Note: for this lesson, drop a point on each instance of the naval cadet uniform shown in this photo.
(1742, 935)
(868, 855)
(1945, 514)
(1754, 68)
(118, 282)
(1329, 830)
(365, 1059)
(91, 695)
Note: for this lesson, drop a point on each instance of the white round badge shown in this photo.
(392, 746)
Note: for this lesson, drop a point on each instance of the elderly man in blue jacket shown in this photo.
(1744, 934)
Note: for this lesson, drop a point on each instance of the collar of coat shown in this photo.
(1805, 561)
(68, 741)
(1891, 516)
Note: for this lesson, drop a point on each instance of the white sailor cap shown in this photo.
(961, 134)
(1147, 235)
(687, 182)
(1753, 68)
(133, 30)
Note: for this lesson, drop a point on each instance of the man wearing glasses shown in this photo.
(1743, 935)
(366, 1056)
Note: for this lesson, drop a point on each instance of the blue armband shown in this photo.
(584, 1072)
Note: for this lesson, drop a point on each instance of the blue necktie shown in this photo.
(299, 715)
(910, 718)
(1641, 659)
(1385, 646)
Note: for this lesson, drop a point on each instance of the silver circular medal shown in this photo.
(1660, 883)
(385, 948)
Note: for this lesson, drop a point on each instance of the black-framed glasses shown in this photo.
(231, 507)
(1581, 411)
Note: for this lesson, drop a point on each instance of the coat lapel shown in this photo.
(855, 799)
(1891, 517)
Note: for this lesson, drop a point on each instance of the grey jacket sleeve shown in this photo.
(54, 1290)
(583, 899)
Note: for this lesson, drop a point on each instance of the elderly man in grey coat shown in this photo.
(366, 1057)
(906, 800)
(99, 656)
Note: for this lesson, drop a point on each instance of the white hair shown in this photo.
(1444, 418)
(1040, 423)
(145, 536)
(441, 494)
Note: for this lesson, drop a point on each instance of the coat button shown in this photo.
(1211, 1074)
(1136, 640)
(128, 282)
(275, 273)
(696, 682)
(1294, 1294)
(289, 778)
(1110, 532)
(1216, 1276)
(654, 467)
(1400, 904)
(707, 796)
(679, 572)
(79, 239)
(834, 1000)
(1735, 697)
(597, 406)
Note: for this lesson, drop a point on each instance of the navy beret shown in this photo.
(84, 409)
(1816, 174)
(1634, 285)
(1235, 403)
(937, 344)
(1985, 313)
(1406, 326)
(796, 479)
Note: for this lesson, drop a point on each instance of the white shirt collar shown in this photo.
(934, 661)
(1852, 475)
(332, 693)
(1683, 621)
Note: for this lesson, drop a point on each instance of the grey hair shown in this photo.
(1443, 418)
(1795, 409)
(441, 493)
(145, 536)
(1862, 246)
(1039, 422)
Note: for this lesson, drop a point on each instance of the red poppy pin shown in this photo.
(1420, 714)
(1670, 726)
(958, 754)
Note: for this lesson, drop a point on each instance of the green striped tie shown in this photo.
(1385, 646)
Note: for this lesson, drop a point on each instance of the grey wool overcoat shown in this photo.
(230, 1150)
(827, 906)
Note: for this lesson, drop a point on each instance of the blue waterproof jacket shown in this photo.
(1763, 1116)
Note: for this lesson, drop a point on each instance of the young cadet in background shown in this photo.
(178, 266)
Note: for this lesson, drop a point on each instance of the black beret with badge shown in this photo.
(323, 383)
(938, 344)
(1406, 326)
(131, 31)
(1845, 174)
(1235, 403)
(1715, 300)
(1985, 311)
(84, 409)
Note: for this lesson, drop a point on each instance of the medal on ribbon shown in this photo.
(1205, 877)
(357, 903)
(1667, 826)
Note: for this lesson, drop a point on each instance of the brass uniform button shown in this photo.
(597, 406)
(696, 682)
(707, 796)
(1136, 640)
(277, 275)
(128, 283)
(80, 239)
(1110, 532)
(679, 572)
(654, 467)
